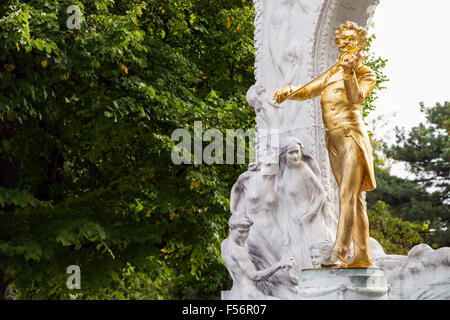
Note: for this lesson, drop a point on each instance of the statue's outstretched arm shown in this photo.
(237, 193)
(302, 92)
(249, 269)
(235, 197)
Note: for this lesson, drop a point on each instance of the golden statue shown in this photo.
(343, 88)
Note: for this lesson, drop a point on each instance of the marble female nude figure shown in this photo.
(301, 214)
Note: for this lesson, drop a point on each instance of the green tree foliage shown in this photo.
(395, 235)
(425, 197)
(377, 64)
(426, 148)
(411, 199)
(86, 120)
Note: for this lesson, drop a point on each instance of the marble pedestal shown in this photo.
(343, 284)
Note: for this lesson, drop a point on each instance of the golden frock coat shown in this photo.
(341, 102)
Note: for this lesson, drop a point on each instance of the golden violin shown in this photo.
(339, 60)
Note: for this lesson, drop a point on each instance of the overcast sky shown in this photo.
(415, 37)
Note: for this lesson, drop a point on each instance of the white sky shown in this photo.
(414, 35)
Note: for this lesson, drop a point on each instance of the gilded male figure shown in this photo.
(343, 88)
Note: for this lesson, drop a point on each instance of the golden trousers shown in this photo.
(347, 164)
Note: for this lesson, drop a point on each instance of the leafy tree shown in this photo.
(377, 64)
(411, 199)
(426, 152)
(395, 235)
(86, 120)
(426, 148)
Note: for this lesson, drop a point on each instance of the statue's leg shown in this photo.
(346, 162)
(352, 172)
(361, 241)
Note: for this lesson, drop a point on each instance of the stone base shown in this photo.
(343, 284)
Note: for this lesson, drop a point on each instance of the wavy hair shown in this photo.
(305, 157)
(350, 25)
(239, 221)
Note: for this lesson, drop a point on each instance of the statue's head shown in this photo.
(291, 152)
(239, 227)
(349, 36)
(320, 252)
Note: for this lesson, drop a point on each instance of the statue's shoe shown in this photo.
(334, 262)
(359, 263)
(333, 265)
